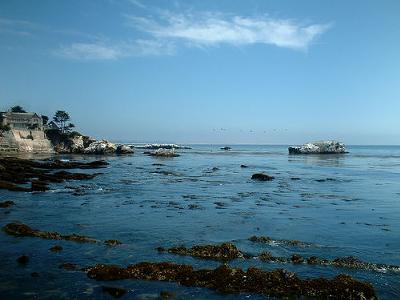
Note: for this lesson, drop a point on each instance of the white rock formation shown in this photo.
(320, 147)
(101, 147)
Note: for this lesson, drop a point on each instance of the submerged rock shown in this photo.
(39, 174)
(56, 248)
(69, 266)
(17, 229)
(112, 242)
(224, 252)
(276, 283)
(262, 177)
(114, 291)
(23, 259)
(321, 147)
(167, 295)
(7, 204)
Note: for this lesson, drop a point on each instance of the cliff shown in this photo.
(34, 141)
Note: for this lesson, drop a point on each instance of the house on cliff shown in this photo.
(22, 121)
(26, 133)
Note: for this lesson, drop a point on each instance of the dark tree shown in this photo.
(4, 128)
(45, 119)
(61, 118)
(18, 109)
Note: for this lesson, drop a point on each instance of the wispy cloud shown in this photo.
(102, 51)
(210, 29)
(137, 3)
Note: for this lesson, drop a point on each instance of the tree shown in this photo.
(4, 128)
(18, 109)
(61, 118)
(45, 119)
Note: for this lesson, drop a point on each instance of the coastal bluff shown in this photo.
(25, 141)
(29, 132)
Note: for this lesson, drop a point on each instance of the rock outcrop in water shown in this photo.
(76, 143)
(321, 147)
(20, 230)
(276, 283)
(17, 173)
(224, 252)
(101, 147)
(161, 146)
(262, 177)
(162, 153)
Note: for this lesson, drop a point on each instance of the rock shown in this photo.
(68, 266)
(40, 173)
(124, 149)
(262, 177)
(161, 146)
(226, 148)
(162, 153)
(112, 242)
(321, 147)
(297, 259)
(243, 166)
(39, 186)
(23, 259)
(116, 292)
(56, 248)
(6, 204)
(224, 252)
(17, 229)
(167, 295)
(277, 283)
(101, 147)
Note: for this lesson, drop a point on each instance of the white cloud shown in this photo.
(89, 51)
(137, 3)
(208, 29)
(102, 51)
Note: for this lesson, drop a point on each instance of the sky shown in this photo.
(207, 71)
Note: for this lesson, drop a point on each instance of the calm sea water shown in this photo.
(146, 206)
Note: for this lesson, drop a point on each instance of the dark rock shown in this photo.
(35, 274)
(262, 239)
(112, 242)
(226, 148)
(39, 186)
(39, 174)
(224, 252)
(56, 248)
(23, 259)
(116, 292)
(297, 259)
(243, 166)
(262, 177)
(276, 283)
(68, 266)
(17, 229)
(6, 204)
(167, 295)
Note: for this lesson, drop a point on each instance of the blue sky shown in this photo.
(228, 71)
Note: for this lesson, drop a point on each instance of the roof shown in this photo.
(26, 116)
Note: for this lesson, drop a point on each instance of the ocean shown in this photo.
(338, 205)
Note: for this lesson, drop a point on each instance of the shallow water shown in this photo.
(187, 201)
